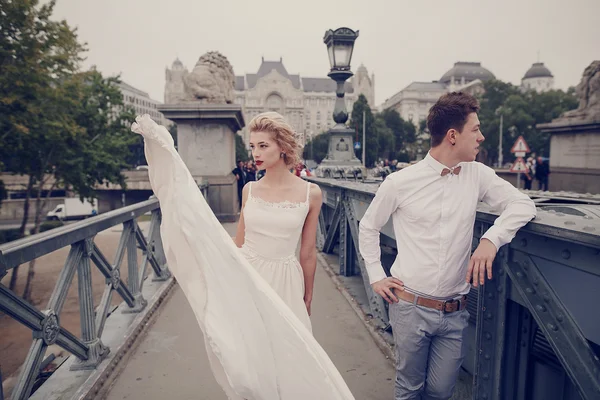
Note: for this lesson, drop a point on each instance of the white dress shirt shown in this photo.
(433, 218)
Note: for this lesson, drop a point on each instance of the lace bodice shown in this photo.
(273, 229)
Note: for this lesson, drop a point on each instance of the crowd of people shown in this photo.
(538, 169)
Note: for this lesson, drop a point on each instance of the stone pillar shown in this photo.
(340, 156)
(206, 143)
(574, 155)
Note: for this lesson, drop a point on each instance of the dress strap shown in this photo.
(307, 192)
(250, 188)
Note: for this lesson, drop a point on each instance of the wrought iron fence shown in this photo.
(535, 326)
(45, 323)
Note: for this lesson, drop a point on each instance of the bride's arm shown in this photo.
(308, 246)
(241, 228)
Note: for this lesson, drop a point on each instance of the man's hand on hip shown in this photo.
(480, 262)
(384, 288)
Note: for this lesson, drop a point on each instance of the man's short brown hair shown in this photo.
(450, 112)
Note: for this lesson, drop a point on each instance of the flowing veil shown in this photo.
(256, 344)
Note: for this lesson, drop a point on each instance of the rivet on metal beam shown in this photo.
(540, 308)
(552, 327)
(523, 242)
(566, 254)
(530, 290)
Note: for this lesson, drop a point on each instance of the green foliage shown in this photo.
(404, 131)
(316, 149)
(521, 112)
(100, 150)
(356, 122)
(48, 225)
(388, 136)
(241, 153)
(8, 235)
(55, 120)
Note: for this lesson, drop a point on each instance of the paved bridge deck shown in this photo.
(171, 363)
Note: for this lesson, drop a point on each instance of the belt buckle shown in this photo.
(453, 301)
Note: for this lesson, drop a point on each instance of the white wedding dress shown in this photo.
(271, 236)
(259, 349)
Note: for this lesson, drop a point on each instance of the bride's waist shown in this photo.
(251, 251)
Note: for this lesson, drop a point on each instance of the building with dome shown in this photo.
(414, 101)
(306, 103)
(538, 78)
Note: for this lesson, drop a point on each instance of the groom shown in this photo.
(432, 205)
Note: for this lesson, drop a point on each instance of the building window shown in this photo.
(318, 115)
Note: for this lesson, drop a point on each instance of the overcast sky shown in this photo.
(400, 41)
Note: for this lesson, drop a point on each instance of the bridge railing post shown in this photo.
(96, 351)
(134, 279)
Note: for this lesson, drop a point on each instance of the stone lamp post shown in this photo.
(340, 160)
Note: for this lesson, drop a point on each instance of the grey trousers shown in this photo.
(429, 348)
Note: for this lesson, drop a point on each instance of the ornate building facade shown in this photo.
(307, 103)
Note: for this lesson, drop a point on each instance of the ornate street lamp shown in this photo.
(340, 45)
(340, 160)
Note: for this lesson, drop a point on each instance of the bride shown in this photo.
(279, 211)
(252, 304)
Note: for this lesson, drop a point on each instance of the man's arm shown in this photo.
(381, 208)
(517, 210)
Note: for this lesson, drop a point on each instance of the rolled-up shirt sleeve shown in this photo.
(517, 209)
(381, 208)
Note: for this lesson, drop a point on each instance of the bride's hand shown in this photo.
(307, 301)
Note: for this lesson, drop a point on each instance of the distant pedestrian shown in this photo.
(241, 177)
(250, 169)
(529, 174)
(542, 170)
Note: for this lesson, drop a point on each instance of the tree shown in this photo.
(316, 149)
(372, 146)
(241, 153)
(386, 141)
(521, 112)
(35, 55)
(404, 131)
(60, 127)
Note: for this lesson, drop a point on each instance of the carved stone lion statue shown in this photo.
(588, 92)
(210, 82)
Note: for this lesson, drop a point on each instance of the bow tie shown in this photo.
(454, 171)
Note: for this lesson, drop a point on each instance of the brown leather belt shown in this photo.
(446, 306)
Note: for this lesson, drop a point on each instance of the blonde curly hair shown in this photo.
(283, 135)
